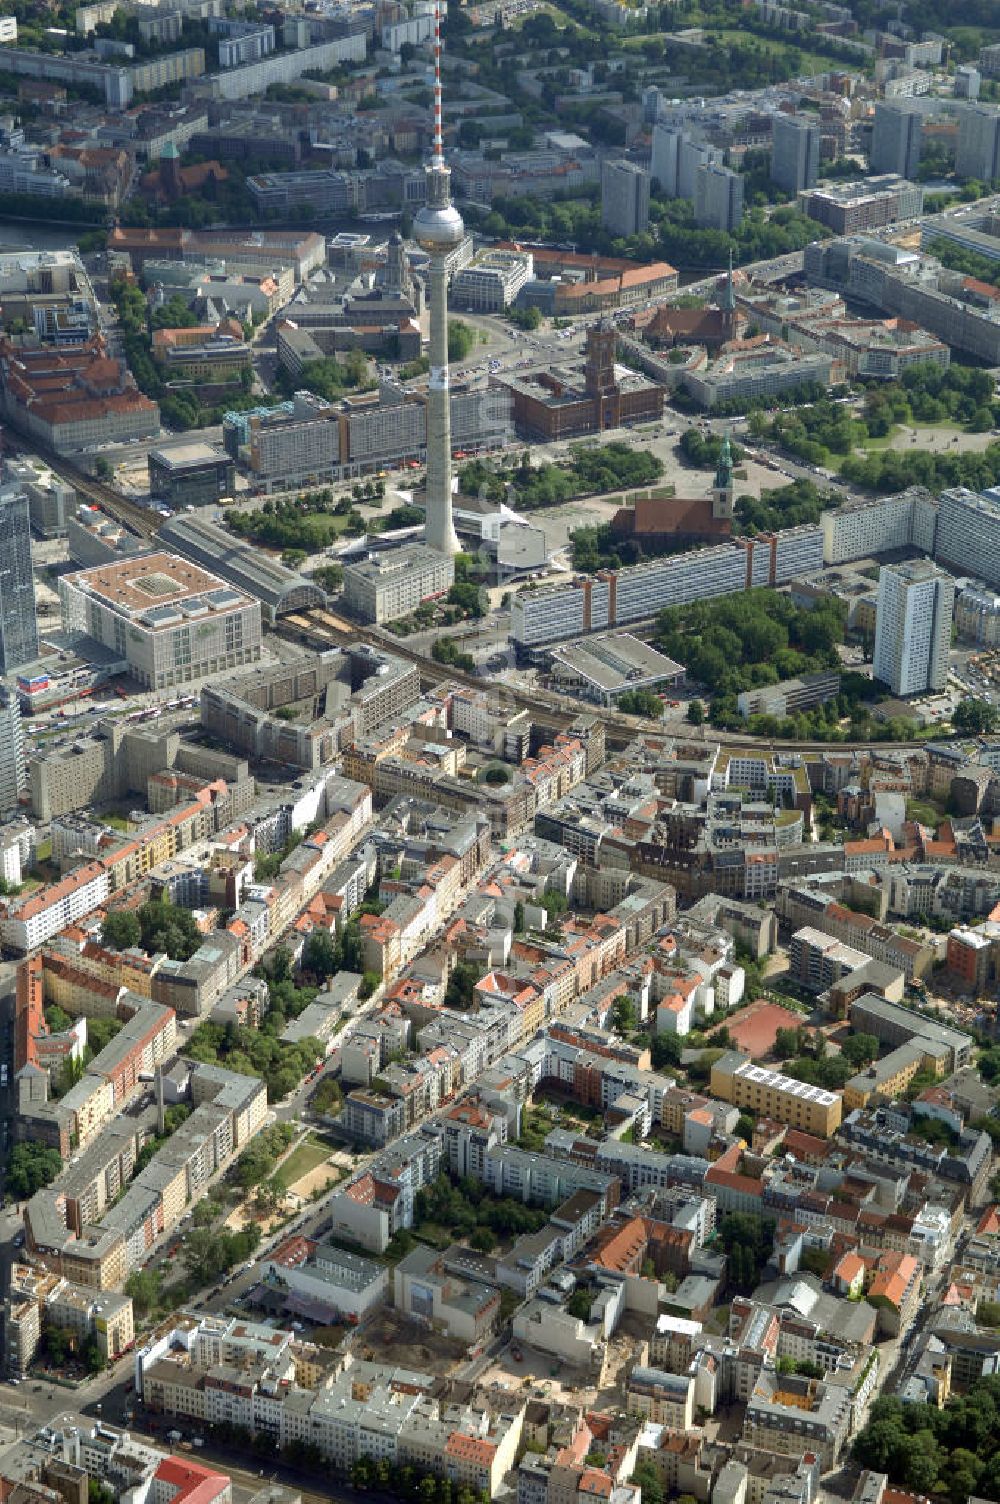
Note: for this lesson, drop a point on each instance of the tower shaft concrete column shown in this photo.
(439, 229)
(439, 531)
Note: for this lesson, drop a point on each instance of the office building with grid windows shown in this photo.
(18, 626)
(171, 621)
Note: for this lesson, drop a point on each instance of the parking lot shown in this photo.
(983, 673)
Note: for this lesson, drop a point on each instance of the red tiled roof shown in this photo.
(192, 1483)
(470, 1448)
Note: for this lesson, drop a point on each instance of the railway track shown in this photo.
(120, 507)
(139, 519)
(320, 627)
(323, 628)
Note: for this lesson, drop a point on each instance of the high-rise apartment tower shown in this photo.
(978, 153)
(13, 768)
(624, 198)
(18, 627)
(913, 627)
(897, 137)
(795, 142)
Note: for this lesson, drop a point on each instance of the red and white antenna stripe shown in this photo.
(438, 131)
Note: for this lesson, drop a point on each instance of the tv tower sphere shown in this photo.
(438, 229)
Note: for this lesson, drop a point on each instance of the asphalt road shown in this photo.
(248, 1481)
(313, 1221)
(10, 1217)
(764, 271)
(107, 1396)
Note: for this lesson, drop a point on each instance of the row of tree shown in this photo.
(950, 1453)
(256, 1052)
(889, 470)
(823, 723)
(404, 1481)
(926, 394)
(959, 258)
(605, 467)
(84, 211)
(158, 927)
(468, 1210)
(750, 640)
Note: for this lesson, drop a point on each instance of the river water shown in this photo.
(37, 237)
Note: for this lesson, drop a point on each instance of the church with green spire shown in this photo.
(723, 485)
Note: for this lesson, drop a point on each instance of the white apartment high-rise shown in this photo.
(978, 153)
(652, 103)
(18, 625)
(13, 769)
(624, 197)
(897, 138)
(438, 229)
(968, 533)
(718, 197)
(663, 163)
(676, 158)
(967, 81)
(913, 627)
(795, 141)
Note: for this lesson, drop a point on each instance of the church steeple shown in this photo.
(724, 469)
(723, 486)
(728, 303)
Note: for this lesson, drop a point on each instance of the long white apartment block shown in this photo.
(615, 597)
(968, 538)
(862, 529)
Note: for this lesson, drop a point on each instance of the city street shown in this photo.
(615, 1113)
(94, 1404)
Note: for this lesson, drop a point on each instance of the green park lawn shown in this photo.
(305, 1157)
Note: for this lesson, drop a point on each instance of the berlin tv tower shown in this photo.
(438, 229)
